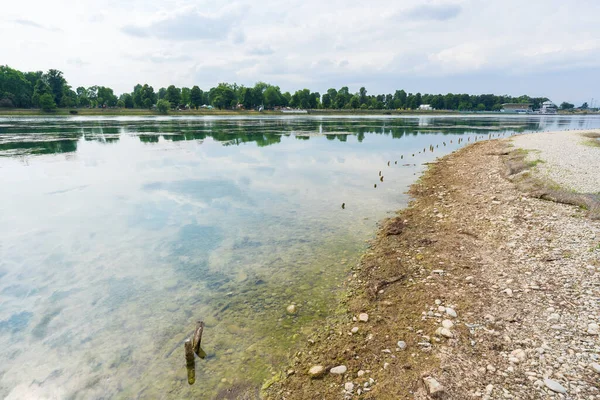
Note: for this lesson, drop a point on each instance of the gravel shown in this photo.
(567, 161)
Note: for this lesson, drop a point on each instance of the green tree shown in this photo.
(355, 101)
(127, 100)
(186, 96)
(173, 96)
(584, 106)
(362, 96)
(222, 96)
(162, 93)
(163, 106)
(41, 88)
(148, 97)
(47, 102)
(332, 98)
(196, 97)
(566, 106)
(272, 97)
(57, 82)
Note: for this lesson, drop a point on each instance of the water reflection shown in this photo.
(112, 253)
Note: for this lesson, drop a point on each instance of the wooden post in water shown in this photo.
(190, 362)
(192, 347)
(198, 337)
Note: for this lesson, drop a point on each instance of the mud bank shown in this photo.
(476, 290)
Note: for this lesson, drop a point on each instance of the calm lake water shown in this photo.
(117, 234)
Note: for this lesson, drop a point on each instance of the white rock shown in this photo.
(596, 367)
(363, 317)
(434, 388)
(438, 302)
(554, 317)
(360, 373)
(593, 329)
(489, 389)
(349, 386)
(386, 365)
(451, 312)
(447, 323)
(401, 345)
(442, 309)
(554, 386)
(508, 292)
(437, 271)
(291, 309)
(519, 354)
(491, 368)
(317, 371)
(445, 332)
(354, 330)
(339, 370)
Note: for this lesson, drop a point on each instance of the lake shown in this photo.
(117, 234)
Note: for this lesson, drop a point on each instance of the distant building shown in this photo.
(548, 107)
(517, 108)
(425, 107)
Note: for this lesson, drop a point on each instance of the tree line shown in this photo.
(50, 90)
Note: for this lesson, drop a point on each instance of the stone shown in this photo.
(434, 388)
(489, 318)
(317, 371)
(508, 292)
(354, 330)
(593, 329)
(291, 309)
(451, 312)
(349, 386)
(491, 368)
(445, 332)
(360, 373)
(554, 317)
(447, 324)
(596, 367)
(518, 354)
(386, 365)
(339, 370)
(363, 317)
(442, 309)
(554, 386)
(438, 302)
(401, 344)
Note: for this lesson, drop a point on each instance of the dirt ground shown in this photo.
(493, 292)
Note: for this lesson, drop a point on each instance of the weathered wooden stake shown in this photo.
(189, 354)
(198, 337)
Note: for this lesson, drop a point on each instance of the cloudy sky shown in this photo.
(541, 48)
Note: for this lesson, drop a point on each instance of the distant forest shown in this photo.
(50, 90)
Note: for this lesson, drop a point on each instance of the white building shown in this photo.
(425, 107)
(548, 107)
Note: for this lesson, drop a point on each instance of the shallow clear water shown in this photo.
(117, 234)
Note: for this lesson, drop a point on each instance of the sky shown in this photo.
(541, 48)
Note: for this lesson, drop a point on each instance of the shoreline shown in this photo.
(460, 289)
(114, 112)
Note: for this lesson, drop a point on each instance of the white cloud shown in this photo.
(417, 45)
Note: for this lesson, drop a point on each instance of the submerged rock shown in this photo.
(291, 309)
